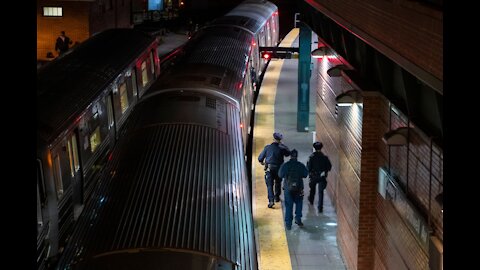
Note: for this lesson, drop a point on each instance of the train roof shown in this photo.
(206, 66)
(251, 14)
(67, 85)
(183, 189)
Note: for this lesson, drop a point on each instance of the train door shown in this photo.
(41, 197)
(268, 34)
(133, 81)
(63, 191)
(42, 219)
(75, 173)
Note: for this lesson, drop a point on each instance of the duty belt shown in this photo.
(273, 166)
(316, 174)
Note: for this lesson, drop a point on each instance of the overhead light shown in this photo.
(336, 70)
(397, 137)
(348, 98)
(319, 52)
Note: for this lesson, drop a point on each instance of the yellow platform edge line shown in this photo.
(272, 246)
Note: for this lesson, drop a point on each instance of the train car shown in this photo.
(83, 99)
(175, 194)
(260, 18)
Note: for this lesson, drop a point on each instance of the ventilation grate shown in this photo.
(210, 102)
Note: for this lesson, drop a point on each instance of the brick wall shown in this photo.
(106, 14)
(418, 166)
(396, 245)
(340, 131)
(409, 28)
(371, 233)
(74, 22)
(368, 181)
(80, 20)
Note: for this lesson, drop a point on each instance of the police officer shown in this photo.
(318, 166)
(293, 173)
(273, 155)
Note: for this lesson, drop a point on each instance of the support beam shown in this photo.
(304, 72)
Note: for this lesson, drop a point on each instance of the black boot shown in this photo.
(299, 223)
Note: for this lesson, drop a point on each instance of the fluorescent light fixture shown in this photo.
(348, 98)
(319, 52)
(397, 137)
(336, 70)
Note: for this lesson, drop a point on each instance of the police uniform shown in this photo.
(293, 173)
(273, 155)
(318, 166)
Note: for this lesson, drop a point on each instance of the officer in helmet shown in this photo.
(293, 172)
(318, 166)
(272, 157)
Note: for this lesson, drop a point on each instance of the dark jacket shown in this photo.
(62, 45)
(318, 163)
(274, 153)
(293, 170)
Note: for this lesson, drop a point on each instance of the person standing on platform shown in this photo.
(62, 44)
(272, 157)
(318, 166)
(293, 173)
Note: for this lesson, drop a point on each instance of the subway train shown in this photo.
(175, 192)
(83, 100)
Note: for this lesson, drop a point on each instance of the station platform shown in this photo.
(169, 42)
(313, 246)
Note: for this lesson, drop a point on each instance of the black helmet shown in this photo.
(317, 145)
(294, 153)
(277, 136)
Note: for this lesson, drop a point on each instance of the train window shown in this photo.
(76, 161)
(152, 63)
(273, 23)
(261, 39)
(268, 33)
(134, 82)
(144, 73)
(57, 175)
(73, 155)
(123, 97)
(39, 208)
(110, 111)
(70, 158)
(95, 139)
(41, 182)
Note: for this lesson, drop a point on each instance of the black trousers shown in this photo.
(274, 183)
(322, 184)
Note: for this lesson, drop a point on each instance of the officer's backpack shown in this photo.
(292, 185)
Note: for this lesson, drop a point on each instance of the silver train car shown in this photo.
(83, 99)
(175, 194)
